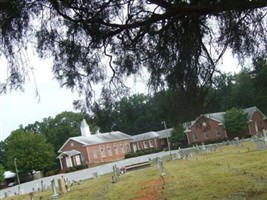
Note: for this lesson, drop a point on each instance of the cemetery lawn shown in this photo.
(229, 173)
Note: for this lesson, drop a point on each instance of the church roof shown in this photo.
(145, 136)
(69, 153)
(165, 133)
(219, 116)
(98, 138)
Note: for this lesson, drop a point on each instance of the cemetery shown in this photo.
(231, 170)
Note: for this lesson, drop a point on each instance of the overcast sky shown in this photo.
(24, 108)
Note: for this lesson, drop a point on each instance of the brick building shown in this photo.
(208, 127)
(94, 149)
(152, 139)
(145, 141)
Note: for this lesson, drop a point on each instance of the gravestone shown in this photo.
(116, 174)
(178, 155)
(236, 141)
(203, 147)
(160, 164)
(62, 185)
(264, 135)
(54, 190)
(42, 185)
(95, 174)
(31, 196)
(197, 148)
(260, 144)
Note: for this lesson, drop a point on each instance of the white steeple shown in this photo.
(85, 130)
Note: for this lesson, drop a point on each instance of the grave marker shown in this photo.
(62, 185)
(31, 196)
(42, 185)
(160, 164)
(116, 174)
(260, 144)
(264, 135)
(54, 190)
(178, 155)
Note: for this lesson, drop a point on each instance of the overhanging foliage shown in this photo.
(179, 43)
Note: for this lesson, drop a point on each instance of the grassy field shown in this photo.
(231, 173)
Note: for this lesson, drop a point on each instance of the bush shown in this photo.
(52, 172)
(130, 155)
(71, 169)
(79, 167)
(142, 152)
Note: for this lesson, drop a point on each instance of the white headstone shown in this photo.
(264, 135)
(85, 130)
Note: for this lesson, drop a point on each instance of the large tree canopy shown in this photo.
(235, 122)
(178, 42)
(31, 151)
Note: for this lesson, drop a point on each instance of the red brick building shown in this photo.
(145, 141)
(91, 150)
(210, 126)
(152, 139)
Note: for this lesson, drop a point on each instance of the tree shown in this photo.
(235, 122)
(133, 115)
(1, 173)
(259, 76)
(60, 128)
(3, 154)
(31, 150)
(178, 135)
(64, 126)
(179, 43)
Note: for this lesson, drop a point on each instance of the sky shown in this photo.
(23, 108)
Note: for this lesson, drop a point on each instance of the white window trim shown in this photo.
(151, 143)
(109, 150)
(122, 148)
(206, 135)
(218, 132)
(116, 149)
(194, 135)
(94, 154)
(145, 144)
(102, 153)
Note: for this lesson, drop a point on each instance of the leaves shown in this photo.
(179, 43)
(235, 121)
(178, 134)
(31, 150)
(1, 173)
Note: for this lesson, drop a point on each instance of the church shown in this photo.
(92, 150)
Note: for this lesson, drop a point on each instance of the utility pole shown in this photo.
(164, 123)
(15, 163)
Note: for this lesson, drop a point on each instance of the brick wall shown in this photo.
(108, 152)
(213, 130)
(256, 124)
(197, 133)
(99, 153)
(146, 144)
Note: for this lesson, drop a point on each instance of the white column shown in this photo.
(61, 166)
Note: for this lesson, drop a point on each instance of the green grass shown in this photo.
(230, 173)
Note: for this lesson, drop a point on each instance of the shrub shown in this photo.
(142, 152)
(130, 155)
(71, 169)
(52, 172)
(79, 167)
